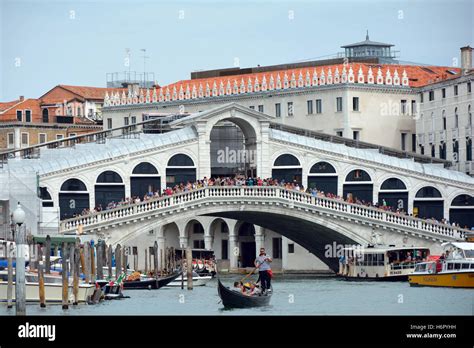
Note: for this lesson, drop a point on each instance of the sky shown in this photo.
(47, 42)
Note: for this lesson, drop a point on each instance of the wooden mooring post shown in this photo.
(92, 262)
(146, 261)
(77, 262)
(100, 259)
(65, 292)
(47, 255)
(155, 258)
(10, 249)
(109, 261)
(189, 267)
(41, 278)
(118, 263)
(124, 258)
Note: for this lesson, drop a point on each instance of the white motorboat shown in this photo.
(52, 289)
(197, 280)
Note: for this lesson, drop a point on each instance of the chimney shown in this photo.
(22, 98)
(466, 58)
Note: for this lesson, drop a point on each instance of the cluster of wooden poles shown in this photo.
(77, 259)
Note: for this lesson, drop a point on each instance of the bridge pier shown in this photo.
(234, 251)
(259, 239)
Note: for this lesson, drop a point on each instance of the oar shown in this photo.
(248, 275)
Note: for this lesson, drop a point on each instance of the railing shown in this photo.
(403, 265)
(265, 194)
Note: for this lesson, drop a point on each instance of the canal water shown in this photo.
(293, 295)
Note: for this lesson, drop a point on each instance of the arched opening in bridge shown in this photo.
(233, 149)
(462, 211)
(358, 186)
(287, 168)
(428, 203)
(46, 200)
(246, 240)
(219, 230)
(73, 198)
(180, 170)
(109, 188)
(323, 177)
(195, 233)
(144, 180)
(393, 193)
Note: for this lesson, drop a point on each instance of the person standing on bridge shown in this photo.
(262, 263)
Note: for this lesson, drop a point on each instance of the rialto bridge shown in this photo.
(295, 227)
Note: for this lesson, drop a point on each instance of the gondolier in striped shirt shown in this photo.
(262, 263)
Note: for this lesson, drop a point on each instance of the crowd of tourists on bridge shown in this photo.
(241, 181)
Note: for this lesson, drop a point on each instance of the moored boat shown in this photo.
(235, 299)
(150, 283)
(456, 270)
(198, 280)
(380, 263)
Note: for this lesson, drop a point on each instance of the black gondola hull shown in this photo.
(151, 284)
(234, 299)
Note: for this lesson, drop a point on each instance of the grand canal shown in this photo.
(293, 295)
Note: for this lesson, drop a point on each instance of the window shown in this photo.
(11, 140)
(403, 107)
(277, 246)
(291, 248)
(278, 110)
(456, 118)
(109, 123)
(27, 115)
(134, 119)
(19, 115)
(468, 87)
(413, 107)
(197, 228)
(309, 104)
(339, 133)
(252, 107)
(42, 138)
(444, 120)
(59, 136)
(413, 142)
(455, 151)
(25, 139)
(45, 116)
(431, 96)
(260, 108)
(433, 151)
(290, 109)
(125, 121)
(456, 90)
(355, 135)
(422, 150)
(443, 93)
(442, 151)
(198, 244)
(421, 98)
(355, 104)
(319, 106)
(404, 141)
(225, 249)
(339, 104)
(469, 149)
(78, 111)
(72, 134)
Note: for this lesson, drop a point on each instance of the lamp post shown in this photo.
(20, 303)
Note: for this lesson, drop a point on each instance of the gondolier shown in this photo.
(262, 263)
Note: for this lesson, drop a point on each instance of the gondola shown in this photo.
(234, 299)
(149, 283)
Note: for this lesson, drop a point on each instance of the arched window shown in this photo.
(433, 125)
(393, 184)
(144, 180)
(180, 160)
(469, 116)
(46, 200)
(428, 192)
(109, 177)
(286, 160)
(322, 168)
(73, 185)
(462, 211)
(73, 198)
(456, 118)
(145, 168)
(45, 115)
(444, 119)
(358, 175)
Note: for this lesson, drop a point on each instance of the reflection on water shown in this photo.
(292, 296)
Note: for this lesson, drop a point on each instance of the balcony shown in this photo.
(455, 132)
(442, 135)
(65, 119)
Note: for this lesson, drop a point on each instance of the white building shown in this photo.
(445, 126)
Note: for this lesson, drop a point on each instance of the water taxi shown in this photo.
(455, 269)
(383, 263)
